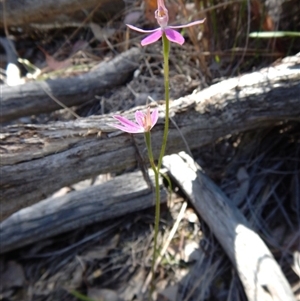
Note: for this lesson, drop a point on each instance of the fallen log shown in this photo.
(33, 97)
(37, 160)
(24, 12)
(259, 272)
(122, 195)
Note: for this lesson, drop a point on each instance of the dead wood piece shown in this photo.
(260, 274)
(39, 159)
(32, 98)
(122, 195)
(27, 11)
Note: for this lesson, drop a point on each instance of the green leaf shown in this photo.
(80, 296)
(273, 34)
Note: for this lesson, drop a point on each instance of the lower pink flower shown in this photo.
(144, 122)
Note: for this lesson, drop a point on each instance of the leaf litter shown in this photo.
(259, 170)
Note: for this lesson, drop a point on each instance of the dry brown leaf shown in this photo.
(79, 45)
(191, 251)
(150, 7)
(244, 181)
(54, 64)
(132, 17)
(12, 275)
(296, 263)
(191, 216)
(168, 294)
(77, 274)
(101, 34)
(102, 294)
(99, 252)
(134, 286)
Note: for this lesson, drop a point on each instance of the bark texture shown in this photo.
(33, 97)
(37, 160)
(259, 272)
(122, 195)
(24, 12)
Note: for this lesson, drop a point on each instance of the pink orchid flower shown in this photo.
(162, 17)
(144, 122)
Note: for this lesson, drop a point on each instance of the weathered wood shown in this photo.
(39, 159)
(24, 12)
(122, 195)
(260, 274)
(31, 98)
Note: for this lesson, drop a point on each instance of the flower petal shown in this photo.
(174, 36)
(127, 129)
(141, 30)
(127, 125)
(139, 117)
(154, 117)
(161, 14)
(152, 38)
(189, 24)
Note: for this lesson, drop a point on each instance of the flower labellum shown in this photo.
(162, 17)
(144, 122)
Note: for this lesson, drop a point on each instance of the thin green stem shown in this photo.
(156, 228)
(149, 149)
(156, 169)
(157, 205)
(166, 51)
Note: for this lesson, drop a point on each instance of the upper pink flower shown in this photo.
(144, 122)
(162, 17)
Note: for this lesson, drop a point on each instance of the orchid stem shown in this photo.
(149, 149)
(157, 205)
(166, 50)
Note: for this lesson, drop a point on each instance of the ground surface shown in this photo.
(259, 170)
